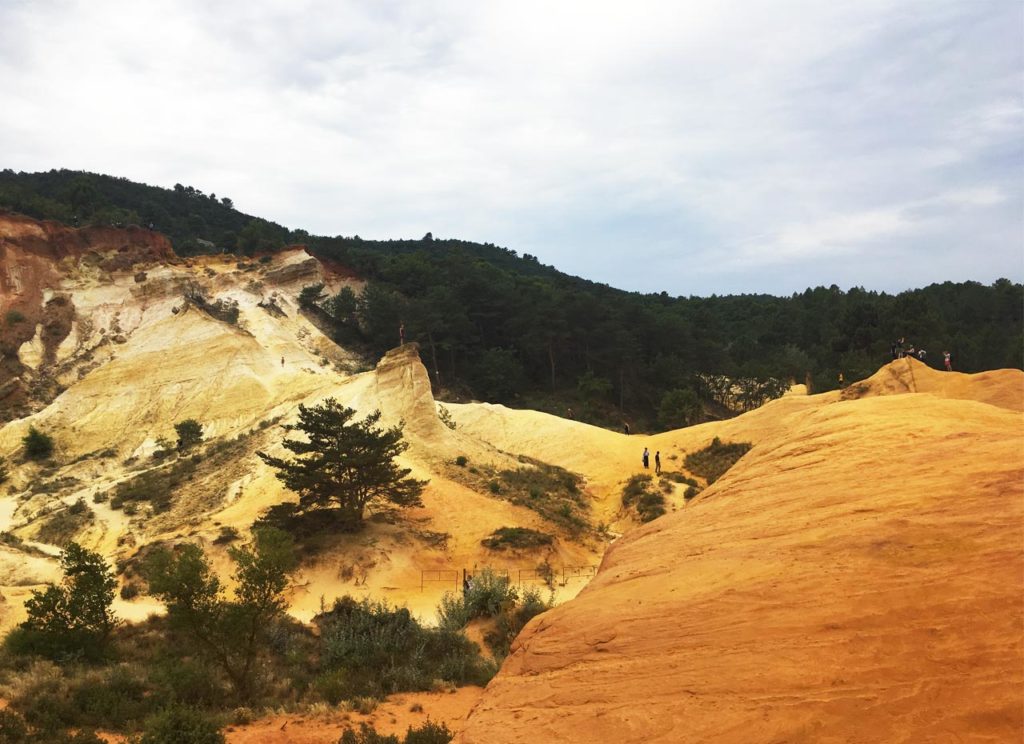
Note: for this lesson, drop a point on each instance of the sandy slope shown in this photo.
(137, 358)
(856, 577)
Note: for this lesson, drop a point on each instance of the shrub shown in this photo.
(380, 650)
(446, 417)
(461, 461)
(713, 461)
(4, 474)
(510, 623)
(638, 494)
(428, 733)
(179, 725)
(190, 433)
(12, 728)
(75, 616)
(227, 534)
(38, 446)
(691, 492)
(516, 538)
(15, 316)
(677, 477)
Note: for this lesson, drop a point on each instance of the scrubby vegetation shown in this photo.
(428, 733)
(155, 486)
(369, 649)
(38, 446)
(490, 595)
(639, 494)
(553, 492)
(64, 524)
(179, 678)
(517, 538)
(711, 462)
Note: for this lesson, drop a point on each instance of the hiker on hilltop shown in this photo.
(625, 428)
(921, 354)
(947, 359)
(646, 458)
(401, 334)
(657, 463)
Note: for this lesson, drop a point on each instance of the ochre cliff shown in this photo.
(856, 577)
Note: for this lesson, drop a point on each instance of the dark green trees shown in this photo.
(233, 634)
(73, 618)
(345, 465)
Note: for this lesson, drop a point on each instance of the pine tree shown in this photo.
(345, 465)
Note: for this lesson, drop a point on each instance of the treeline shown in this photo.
(498, 326)
(504, 328)
(195, 222)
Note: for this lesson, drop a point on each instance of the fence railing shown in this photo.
(547, 575)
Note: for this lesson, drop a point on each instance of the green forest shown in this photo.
(499, 326)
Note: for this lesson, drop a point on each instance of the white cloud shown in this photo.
(639, 144)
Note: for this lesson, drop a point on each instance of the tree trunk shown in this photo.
(433, 356)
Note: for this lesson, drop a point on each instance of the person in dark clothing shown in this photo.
(947, 360)
(625, 428)
(646, 458)
(657, 463)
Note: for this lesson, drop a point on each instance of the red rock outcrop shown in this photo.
(33, 256)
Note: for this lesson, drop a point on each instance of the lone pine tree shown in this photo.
(344, 464)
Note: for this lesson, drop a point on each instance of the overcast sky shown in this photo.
(695, 147)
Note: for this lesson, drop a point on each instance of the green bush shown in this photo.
(4, 474)
(73, 618)
(516, 538)
(15, 316)
(512, 622)
(38, 446)
(381, 650)
(461, 461)
(190, 433)
(428, 733)
(12, 728)
(179, 725)
(713, 461)
(638, 494)
(677, 477)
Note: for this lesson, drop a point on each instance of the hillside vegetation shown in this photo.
(502, 327)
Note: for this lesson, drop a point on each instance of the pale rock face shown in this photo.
(31, 352)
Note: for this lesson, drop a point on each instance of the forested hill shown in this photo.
(503, 327)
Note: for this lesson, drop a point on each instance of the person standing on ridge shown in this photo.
(646, 458)
(657, 462)
(625, 428)
(401, 334)
(947, 359)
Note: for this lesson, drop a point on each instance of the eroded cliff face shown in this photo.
(35, 258)
(856, 577)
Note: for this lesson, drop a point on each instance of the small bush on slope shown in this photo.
(713, 461)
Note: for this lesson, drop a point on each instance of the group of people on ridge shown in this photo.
(900, 350)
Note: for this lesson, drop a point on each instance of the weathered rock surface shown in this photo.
(857, 577)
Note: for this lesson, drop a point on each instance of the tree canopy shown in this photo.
(344, 464)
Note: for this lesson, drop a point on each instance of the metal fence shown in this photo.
(552, 576)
